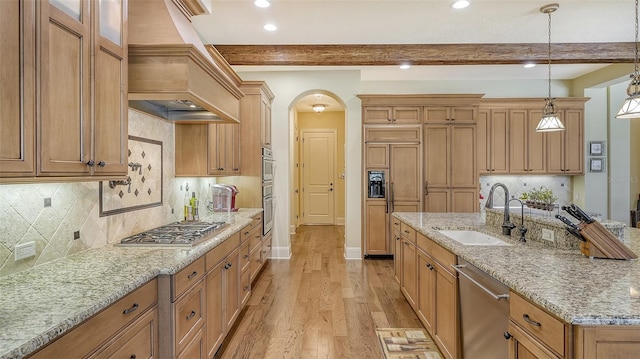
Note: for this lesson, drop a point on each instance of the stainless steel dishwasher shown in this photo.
(484, 313)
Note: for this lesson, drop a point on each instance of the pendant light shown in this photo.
(550, 120)
(631, 106)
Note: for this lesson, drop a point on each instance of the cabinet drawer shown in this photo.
(187, 277)
(550, 330)
(138, 340)
(256, 220)
(189, 311)
(255, 239)
(266, 250)
(245, 288)
(103, 325)
(244, 257)
(408, 232)
(214, 256)
(392, 133)
(256, 262)
(396, 224)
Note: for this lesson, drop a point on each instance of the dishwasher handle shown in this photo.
(498, 297)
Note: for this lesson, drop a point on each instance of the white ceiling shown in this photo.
(240, 22)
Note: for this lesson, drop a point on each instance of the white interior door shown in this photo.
(318, 176)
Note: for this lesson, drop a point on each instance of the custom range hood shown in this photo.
(171, 73)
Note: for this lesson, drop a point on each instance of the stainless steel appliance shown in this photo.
(484, 313)
(268, 202)
(179, 234)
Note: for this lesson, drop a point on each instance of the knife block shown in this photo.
(600, 243)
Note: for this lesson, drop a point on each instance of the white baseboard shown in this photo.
(340, 221)
(353, 253)
(280, 253)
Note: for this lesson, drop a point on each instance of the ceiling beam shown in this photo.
(436, 54)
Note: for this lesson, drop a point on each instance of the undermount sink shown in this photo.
(473, 238)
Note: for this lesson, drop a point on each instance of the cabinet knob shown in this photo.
(90, 163)
(133, 356)
(101, 163)
(507, 335)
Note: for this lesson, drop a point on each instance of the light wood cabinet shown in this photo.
(408, 281)
(83, 123)
(449, 114)
(526, 147)
(493, 141)
(377, 227)
(450, 166)
(425, 308)
(397, 254)
(607, 342)
(565, 149)
(446, 309)
(224, 149)
(17, 88)
(207, 150)
(382, 115)
(129, 326)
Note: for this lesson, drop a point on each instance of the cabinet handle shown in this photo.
(507, 335)
(230, 264)
(191, 315)
(246, 287)
(406, 243)
(192, 275)
(226, 266)
(236, 169)
(101, 163)
(530, 321)
(90, 163)
(406, 231)
(130, 310)
(220, 169)
(133, 356)
(245, 233)
(430, 266)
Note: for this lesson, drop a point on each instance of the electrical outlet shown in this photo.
(76, 234)
(25, 250)
(547, 234)
(47, 202)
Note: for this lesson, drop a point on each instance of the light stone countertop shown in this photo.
(42, 303)
(578, 289)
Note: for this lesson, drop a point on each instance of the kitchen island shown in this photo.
(584, 293)
(43, 303)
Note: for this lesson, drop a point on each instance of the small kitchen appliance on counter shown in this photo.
(223, 197)
(179, 234)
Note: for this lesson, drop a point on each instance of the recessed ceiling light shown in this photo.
(460, 4)
(405, 66)
(262, 3)
(270, 27)
(528, 65)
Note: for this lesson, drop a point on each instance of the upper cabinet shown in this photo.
(224, 149)
(387, 115)
(207, 149)
(17, 68)
(81, 72)
(509, 123)
(450, 115)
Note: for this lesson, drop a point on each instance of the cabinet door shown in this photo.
(437, 155)
(397, 256)
(376, 235)
(379, 115)
(191, 149)
(232, 288)
(65, 70)
(17, 88)
(524, 346)
(437, 200)
(377, 156)
(405, 182)
(138, 340)
(437, 115)
(110, 88)
(536, 150)
(215, 319)
(483, 141)
(446, 307)
(408, 281)
(574, 142)
(464, 200)
(499, 143)
(463, 156)
(406, 115)
(232, 149)
(518, 153)
(195, 349)
(426, 291)
(463, 114)
(265, 123)
(223, 155)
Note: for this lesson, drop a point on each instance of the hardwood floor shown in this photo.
(318, 305)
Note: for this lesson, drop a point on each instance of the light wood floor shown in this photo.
(318, 305)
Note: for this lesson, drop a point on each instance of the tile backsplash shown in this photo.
(517, 185)
(74, 206)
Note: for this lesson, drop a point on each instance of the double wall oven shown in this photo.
(268, 204)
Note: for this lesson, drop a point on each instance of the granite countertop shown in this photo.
(578, 289)
(42, 303)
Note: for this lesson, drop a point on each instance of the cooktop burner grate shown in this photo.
(183, 234)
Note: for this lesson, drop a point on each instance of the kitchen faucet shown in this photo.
(507, 226)
(523, 230)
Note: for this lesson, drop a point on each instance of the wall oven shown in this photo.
(268, 203)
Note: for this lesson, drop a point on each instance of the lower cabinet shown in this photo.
(607, 342)
(431, 288)
(126, 329)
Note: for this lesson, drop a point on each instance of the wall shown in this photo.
(75, 207)
(333, 120)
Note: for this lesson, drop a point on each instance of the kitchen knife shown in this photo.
(572, 212)
(566, 221)
(585, 217)
(576, 234)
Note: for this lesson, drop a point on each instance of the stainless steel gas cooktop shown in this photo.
(179, 234)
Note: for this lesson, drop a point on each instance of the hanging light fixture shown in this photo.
(631, 106)
(550, 120)
(318, 107)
